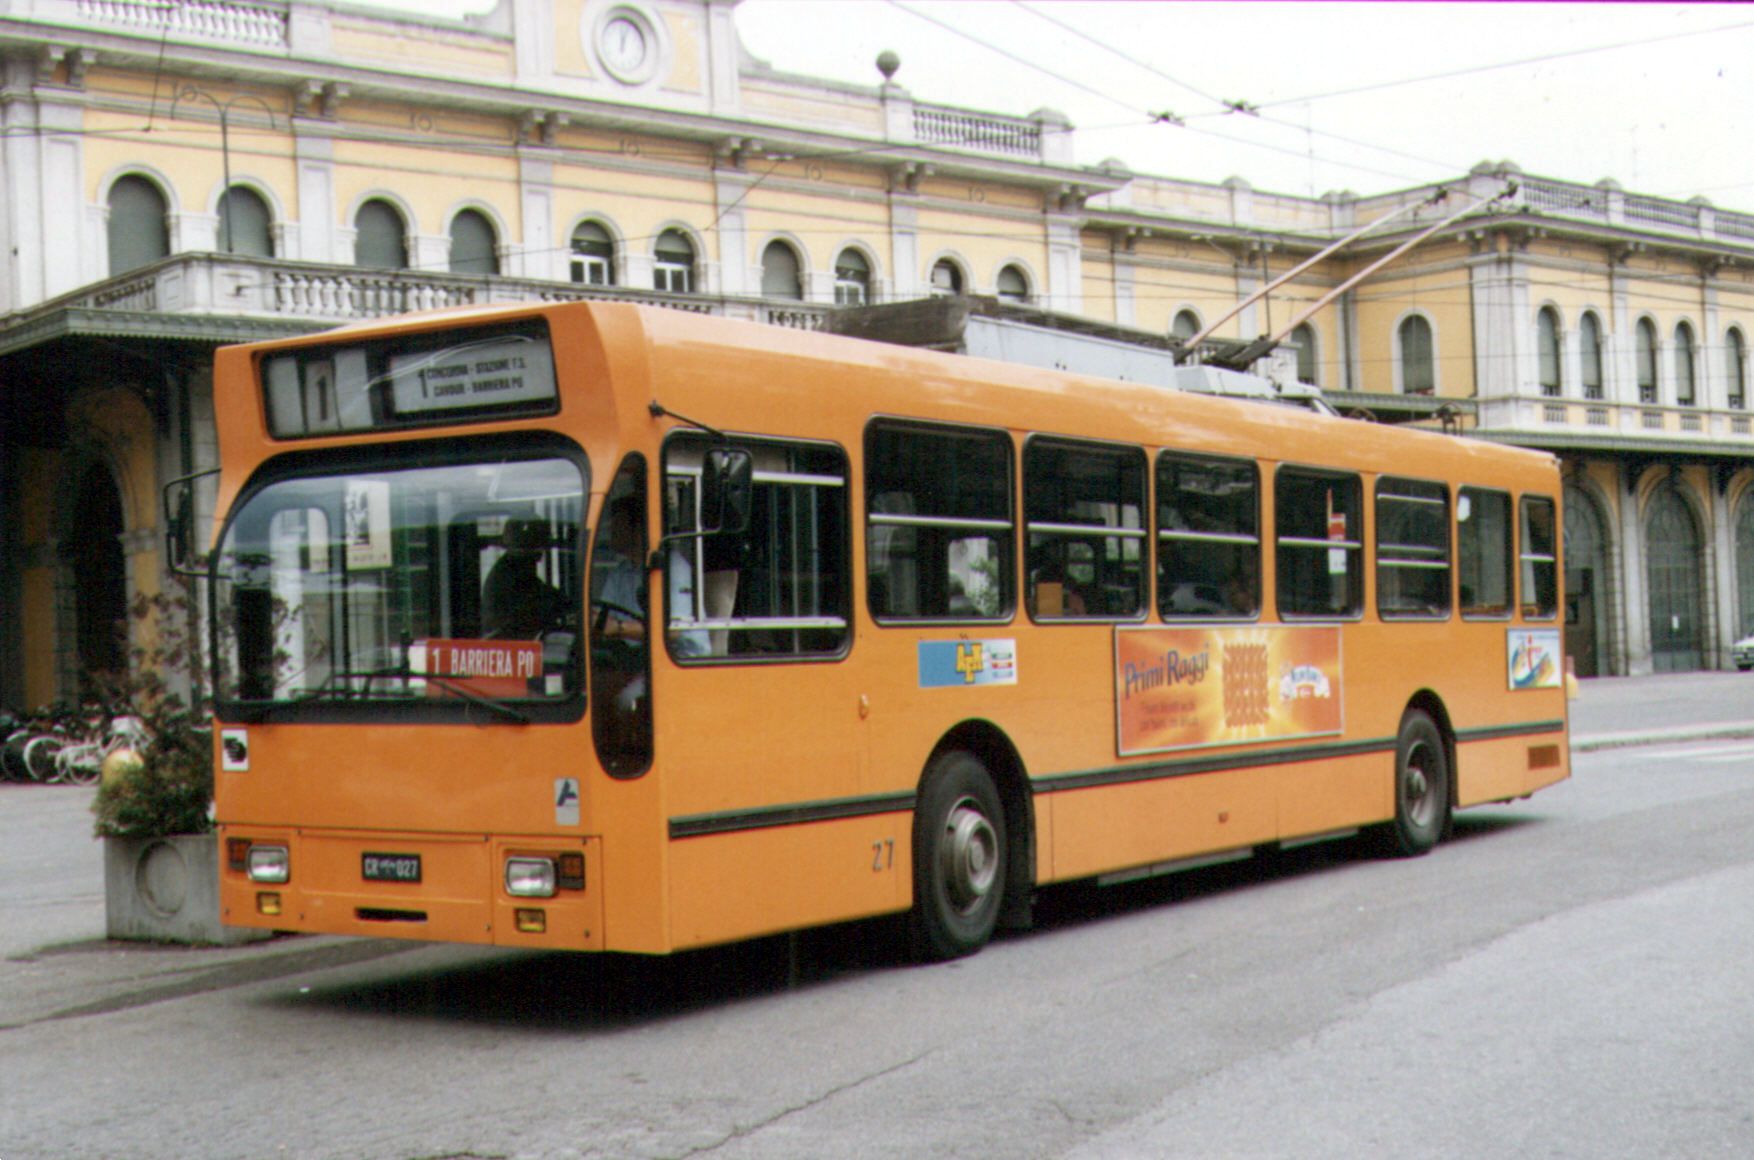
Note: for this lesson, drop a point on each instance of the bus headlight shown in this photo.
(270, 864)
(529, 877)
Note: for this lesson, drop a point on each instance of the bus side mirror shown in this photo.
(179, 523)
(727, 489)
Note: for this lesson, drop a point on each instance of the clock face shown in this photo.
(627, 45)
(624, 45)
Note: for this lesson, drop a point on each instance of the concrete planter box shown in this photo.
(167, 890)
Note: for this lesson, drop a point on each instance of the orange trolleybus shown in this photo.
(605, 627)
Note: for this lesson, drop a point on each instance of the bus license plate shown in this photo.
(390, 867)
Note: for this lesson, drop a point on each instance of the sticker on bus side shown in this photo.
(1182, 688)
(234, 750)
(566, 801)
(1532, 655)
(946, 664)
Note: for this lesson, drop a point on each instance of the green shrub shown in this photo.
(170, 791)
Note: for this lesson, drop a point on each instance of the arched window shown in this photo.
(1304, 339)
(1647, 361)
(1589, 350)
(474, 245)
(673, 264)
(946, 278)
(1185, 326)
(139, 230)
(1013, 286)
(1736, 368)
(1547, 348)
(380, 237)
(1684, 386)
(780, 276)
(593, 255)
(1418, 367)
(244, 223)
(852, 279)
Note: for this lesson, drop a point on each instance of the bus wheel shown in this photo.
(1422, 788)
(959, 858)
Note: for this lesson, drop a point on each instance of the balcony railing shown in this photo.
(229, 286)
(1594, 418)
(1606, 203)
(981, 132)
(208, 19)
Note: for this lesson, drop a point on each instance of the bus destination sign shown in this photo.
(494, 372)
(491, 668)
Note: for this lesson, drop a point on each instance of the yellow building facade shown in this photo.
(176, 177)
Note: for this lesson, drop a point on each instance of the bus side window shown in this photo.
(939, 524)
(775, 588)
(1319, 523)
(1540, 562)
(1483, 552)
(1208, 537)
(1084, 507)
(1412, 549)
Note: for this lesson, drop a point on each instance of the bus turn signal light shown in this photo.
(570, 871)
(532, 921)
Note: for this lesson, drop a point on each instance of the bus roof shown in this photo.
(703, 356)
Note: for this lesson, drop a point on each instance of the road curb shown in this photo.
(1669, 736)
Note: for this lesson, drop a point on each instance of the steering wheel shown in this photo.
(605, 607)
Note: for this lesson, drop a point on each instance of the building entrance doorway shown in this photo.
(1672, 545)
(1586, 589)
(92, 550)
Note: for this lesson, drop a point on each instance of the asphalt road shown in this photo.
(1569, 977)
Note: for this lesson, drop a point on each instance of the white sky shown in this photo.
(1659, 97)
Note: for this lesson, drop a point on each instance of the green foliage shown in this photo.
(170, 790)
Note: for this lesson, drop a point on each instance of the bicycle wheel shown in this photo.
(12, 756)
(79, 765)
(39, 756)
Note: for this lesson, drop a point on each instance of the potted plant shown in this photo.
(154, 803)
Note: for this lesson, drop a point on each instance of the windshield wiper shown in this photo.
(404, 673)
(347, 692)
(464, 692)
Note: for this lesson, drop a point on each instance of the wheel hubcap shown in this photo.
(968, 862)
(1416, 786)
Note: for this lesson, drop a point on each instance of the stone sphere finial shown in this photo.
(888, 61)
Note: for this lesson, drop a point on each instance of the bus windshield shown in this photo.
(436, 588)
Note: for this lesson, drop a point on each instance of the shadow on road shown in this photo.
(608, 992)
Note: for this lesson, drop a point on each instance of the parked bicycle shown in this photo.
(15, 731)
(66, 746)
(82, 762)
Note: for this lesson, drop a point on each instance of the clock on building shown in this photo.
(627, 45)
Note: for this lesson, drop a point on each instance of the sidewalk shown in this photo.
(55, 962)
(1670, 708)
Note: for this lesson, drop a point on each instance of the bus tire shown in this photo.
(1422, 788)
(959, 858)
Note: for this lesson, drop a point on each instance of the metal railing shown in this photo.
(982, 132)
(239, 286)
(209, 19)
